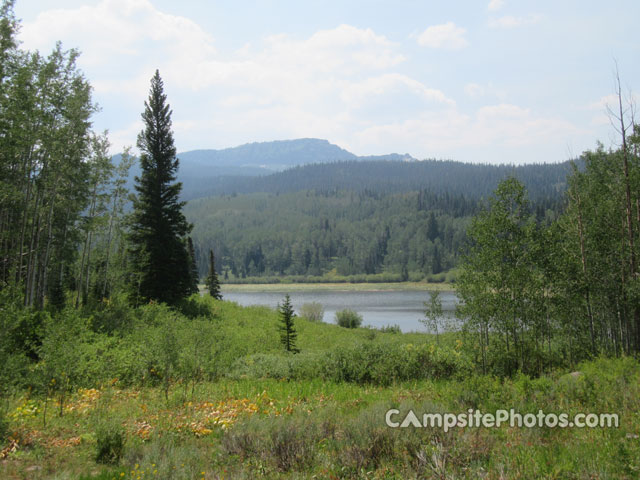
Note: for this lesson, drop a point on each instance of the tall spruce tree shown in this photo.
(213, 284)
(161, 269)
(288, 332)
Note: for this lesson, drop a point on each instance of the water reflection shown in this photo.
(378, 308)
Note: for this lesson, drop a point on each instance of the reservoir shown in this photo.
(378, 308)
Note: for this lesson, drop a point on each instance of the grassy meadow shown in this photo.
(232, 404)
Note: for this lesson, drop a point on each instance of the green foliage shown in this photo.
(213, 284)
(262, 365)
(194, 276)
(341, 235)
(112, 315)
(197, 306)
(433, 312)
(348, 318)
(197, 359)
(46, 108)
(159, 257)
(289, 443)
(378, 364)
(288, 334)
(22, 331)
(314, 311)
(383, 364)
(501, 283)
(110, 442)
(370, 177)
(163, 351)
(390, 329)
(62, 366)
(4, 427)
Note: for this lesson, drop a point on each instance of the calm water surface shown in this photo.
(378, 308)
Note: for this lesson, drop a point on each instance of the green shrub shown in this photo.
(279, 366)
(390, 329)
(197, 306)
(314, 311)
(348, 318)
(112, 315)
(383, 364)
(368, 441)
(110, 440)
(261, 365)
(4, 427)
(287, 442)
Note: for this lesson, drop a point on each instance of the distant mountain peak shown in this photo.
(274, 155)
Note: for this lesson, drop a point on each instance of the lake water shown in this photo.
(378, 308)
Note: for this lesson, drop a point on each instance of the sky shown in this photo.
(492, 81)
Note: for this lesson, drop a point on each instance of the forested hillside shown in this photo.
(544, 181)
(402, 235)
(395, 219)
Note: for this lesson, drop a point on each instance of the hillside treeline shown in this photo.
(545, 181)
(314, 233)
(310, 233)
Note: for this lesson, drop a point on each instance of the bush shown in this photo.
(198, 306)
(390, 329)
(287, 442)
(314, 312)
(110, 439)
(4, 428)
(382, 364)
(112, 315)
(291, 367)
(368, 442)
(348, 318)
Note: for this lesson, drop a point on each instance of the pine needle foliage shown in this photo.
(159, 256)
(288, 334)
(213, 284)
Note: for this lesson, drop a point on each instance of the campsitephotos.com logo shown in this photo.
(476, 419)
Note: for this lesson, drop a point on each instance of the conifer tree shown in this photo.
(193, 268)
(288, 333)
(432, 227)
(213, 284)
(161, 269)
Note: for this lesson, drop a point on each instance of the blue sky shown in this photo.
(494, 81)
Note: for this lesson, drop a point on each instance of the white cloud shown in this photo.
(346, 84)
(277, 85)
(125, 137)
(474, 90)
(603, 103)
(606, 109)
(500, 126)
(358, 93)
(509, 21)
(495, 5)
(447, 36)
(116, 29)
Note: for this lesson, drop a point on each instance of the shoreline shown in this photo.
(345, 287)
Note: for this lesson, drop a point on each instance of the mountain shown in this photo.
(314, 164)
(269, 156)
(200, 169)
